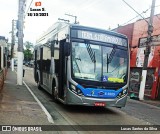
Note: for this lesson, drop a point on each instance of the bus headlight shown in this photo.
(123, 93)
(75, 90)
(73, 87)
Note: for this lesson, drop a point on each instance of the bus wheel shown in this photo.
(38, 85)
(54, 93)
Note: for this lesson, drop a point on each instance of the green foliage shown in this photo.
(28, 54)
(28, 45)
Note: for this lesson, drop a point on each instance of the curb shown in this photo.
(142, 102)
(49, 117)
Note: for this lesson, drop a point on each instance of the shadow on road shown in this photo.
(88, 109)
(81, 109)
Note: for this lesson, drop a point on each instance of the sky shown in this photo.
(102, 14)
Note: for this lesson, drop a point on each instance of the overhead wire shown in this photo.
(28, 8)
(138, 16)
(135, 17)
(135, 11)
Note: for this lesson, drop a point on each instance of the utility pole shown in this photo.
(75, 18)
(147, 52)
(21, 10)
(12, 45)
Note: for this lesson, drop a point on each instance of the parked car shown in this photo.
(31, 63)
(26, 63)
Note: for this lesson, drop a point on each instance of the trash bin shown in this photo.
(23, 72)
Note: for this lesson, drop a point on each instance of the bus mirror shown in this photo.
(67, 48)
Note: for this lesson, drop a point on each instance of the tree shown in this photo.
(28, 54)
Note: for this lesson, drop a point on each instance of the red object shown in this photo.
(100, 104)
(38, 3)
(135, 31)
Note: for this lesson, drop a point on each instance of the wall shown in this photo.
(134, 32)
(126, 30)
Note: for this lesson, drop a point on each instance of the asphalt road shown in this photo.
(135, 113)
(146, 112)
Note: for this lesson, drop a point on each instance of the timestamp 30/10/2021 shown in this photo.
(37, 14)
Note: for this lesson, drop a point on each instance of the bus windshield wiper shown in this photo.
(77, 64)
(91, 54)
(109, 59)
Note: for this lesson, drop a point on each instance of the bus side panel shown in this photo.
(41, 65)
(35, 65)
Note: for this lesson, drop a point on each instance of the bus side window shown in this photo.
(56, 66)
(4, 60)
(48, 64)
(43, 65)
(52, 48)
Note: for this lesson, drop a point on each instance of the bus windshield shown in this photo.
(99, 63)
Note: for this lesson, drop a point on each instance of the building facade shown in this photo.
(3, 52)
(137, 35)
(3, 59)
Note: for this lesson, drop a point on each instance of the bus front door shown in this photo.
(62, 71)
(35, 65)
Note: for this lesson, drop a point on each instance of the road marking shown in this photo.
(50, 119)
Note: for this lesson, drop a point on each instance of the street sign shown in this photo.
(155, 41)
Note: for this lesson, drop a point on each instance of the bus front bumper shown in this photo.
(73, 99)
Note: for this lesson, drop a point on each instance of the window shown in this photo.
(99, 63)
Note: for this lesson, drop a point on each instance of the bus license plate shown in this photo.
(100, 104)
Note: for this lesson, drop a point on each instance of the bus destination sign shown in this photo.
(102, 37)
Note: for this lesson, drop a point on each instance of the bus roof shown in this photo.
(75, 26)
(56, 27)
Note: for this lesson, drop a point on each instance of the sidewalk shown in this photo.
(152, 102)
(17, 106)
(146, 101)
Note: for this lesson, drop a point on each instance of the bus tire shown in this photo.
(38, 83)
(54, 92)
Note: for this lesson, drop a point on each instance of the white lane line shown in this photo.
(50, 119)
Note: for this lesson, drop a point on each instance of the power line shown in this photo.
(138, 16)
(157, 17)
(132, 18)
(135, 17)
(29, 7)
(135, 10)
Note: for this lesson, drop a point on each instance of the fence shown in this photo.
(1, 79)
